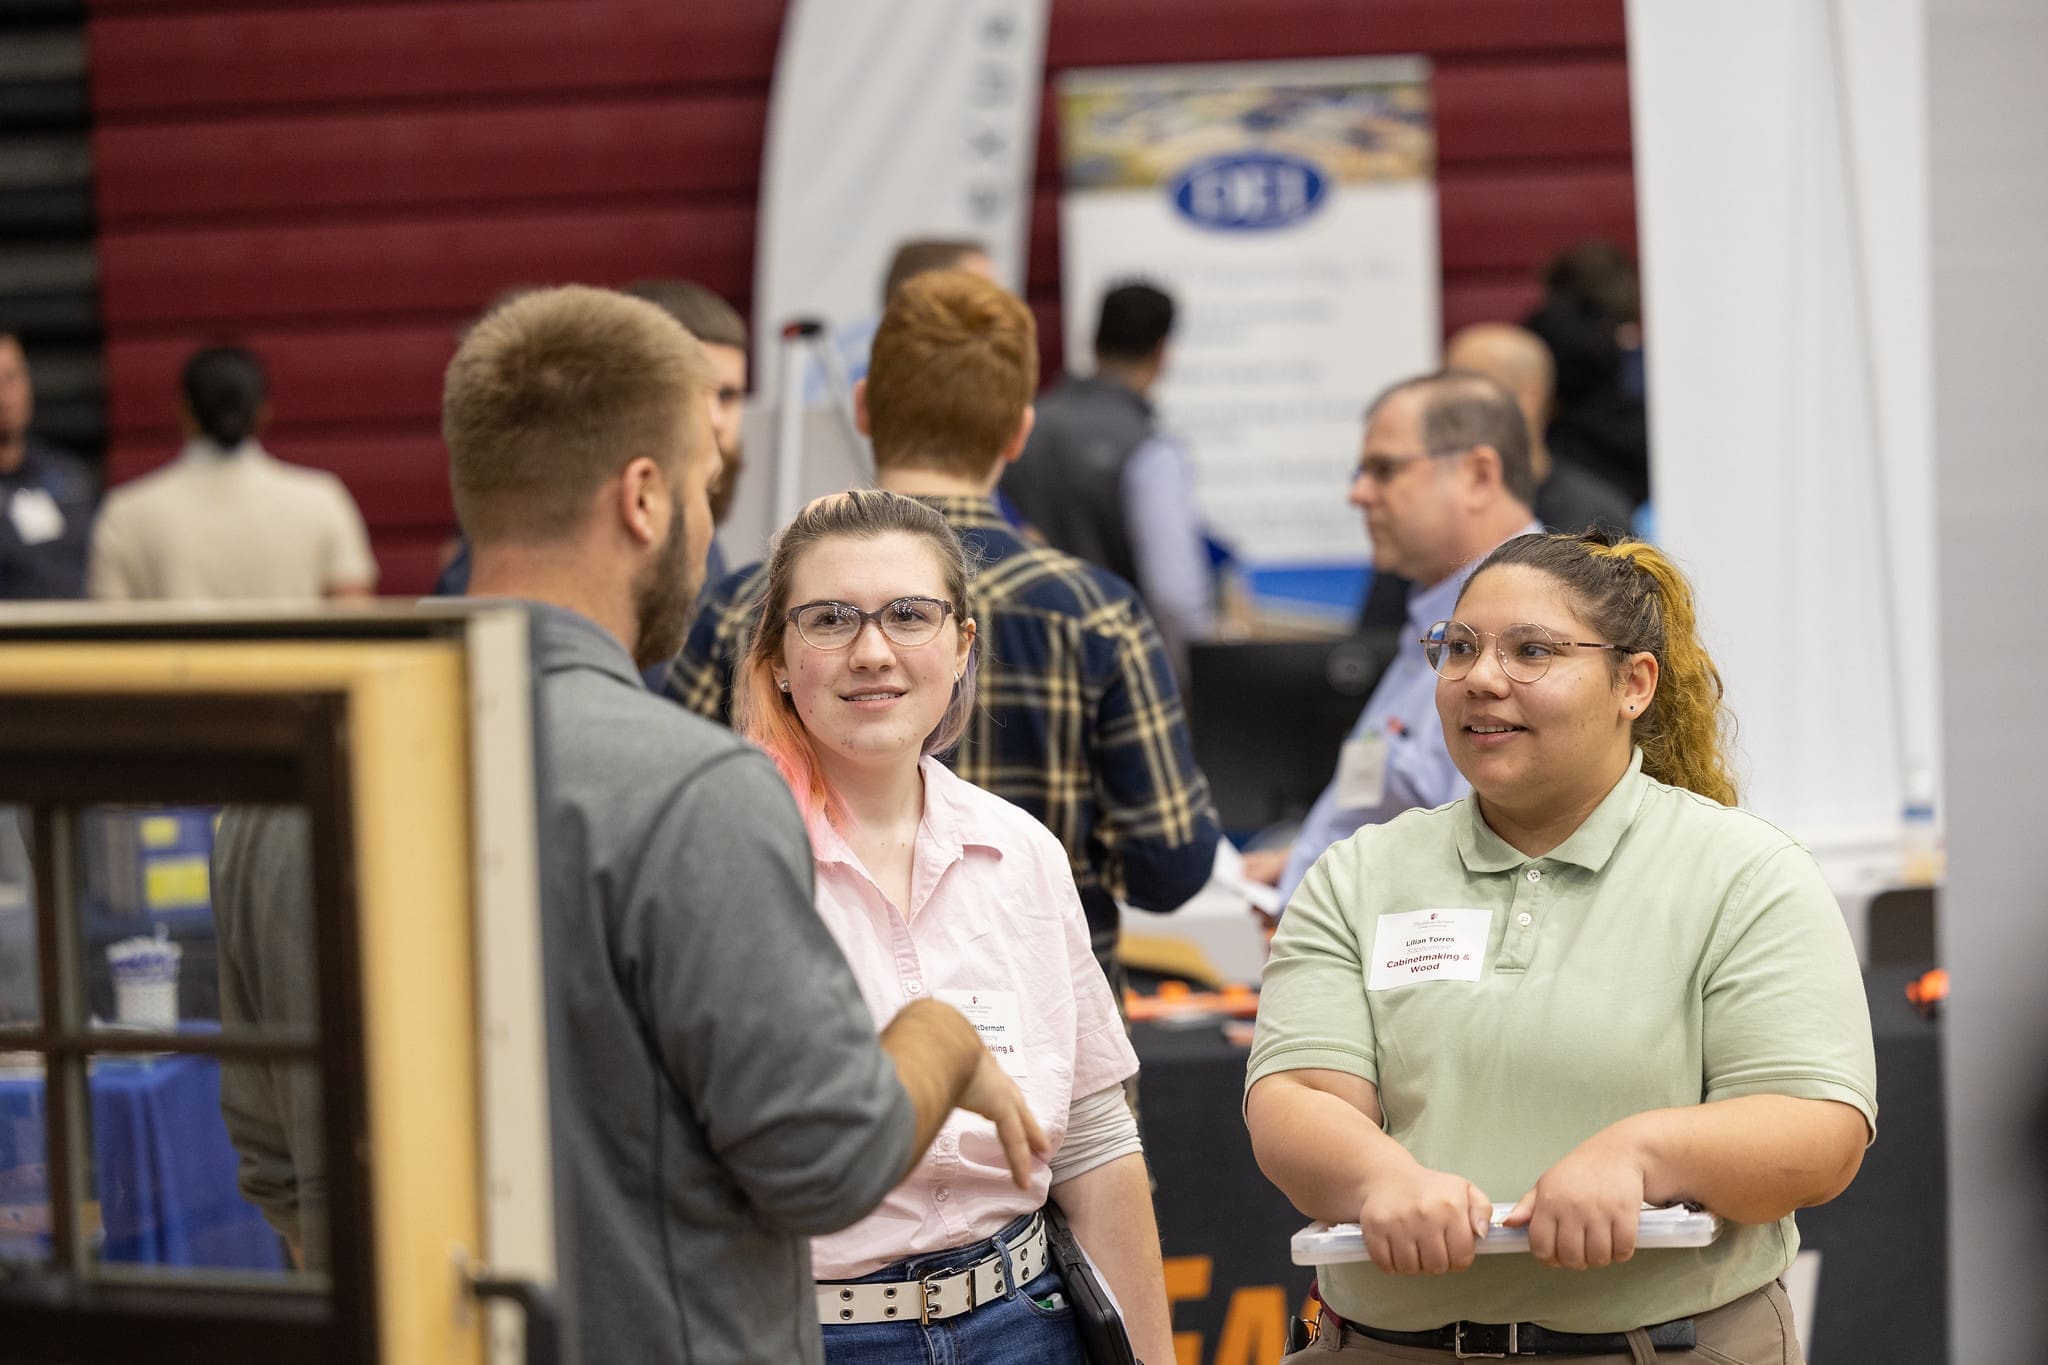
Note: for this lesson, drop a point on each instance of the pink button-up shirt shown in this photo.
(994, 922)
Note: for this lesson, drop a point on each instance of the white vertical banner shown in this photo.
(891, 120)
(1781, 182)
(1290, 209)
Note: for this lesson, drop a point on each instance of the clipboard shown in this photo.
(1678, 1225)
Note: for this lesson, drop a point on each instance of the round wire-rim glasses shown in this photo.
(1524, 649)
(907, 621)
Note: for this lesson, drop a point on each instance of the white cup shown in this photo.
(145, 974)
(150, 1004)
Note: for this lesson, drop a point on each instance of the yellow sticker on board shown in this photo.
(173, 882)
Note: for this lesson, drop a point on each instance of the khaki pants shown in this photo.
(1756, 1329)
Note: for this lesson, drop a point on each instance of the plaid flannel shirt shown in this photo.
(1079, 722)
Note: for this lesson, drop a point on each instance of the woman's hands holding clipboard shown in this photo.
(1583, 1212)
(1417, 1221)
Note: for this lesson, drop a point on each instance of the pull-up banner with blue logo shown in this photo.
(1290, 209)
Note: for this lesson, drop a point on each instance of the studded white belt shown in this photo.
(944, 1295)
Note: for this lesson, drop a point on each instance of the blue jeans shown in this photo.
(1012, 1330)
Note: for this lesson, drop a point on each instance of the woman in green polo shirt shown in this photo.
(1590, 985)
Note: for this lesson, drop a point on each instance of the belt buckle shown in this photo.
(1458, 1344)
(928, 1286)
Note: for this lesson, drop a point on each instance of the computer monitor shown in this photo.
(1268, 717)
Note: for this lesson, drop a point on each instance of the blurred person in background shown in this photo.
(47, 496)
(1591, 317)
(227, 521)
(1442, 479)
(856, 338)
(1569, 498)
(261, 875)
(924, 254)
(722, 332)
(1099, 480)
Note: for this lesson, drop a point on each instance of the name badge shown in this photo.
(37, 518)
(1362, 773)
(1428, 945)
(995, 1017)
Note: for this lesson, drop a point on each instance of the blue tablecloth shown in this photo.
(164, 1171)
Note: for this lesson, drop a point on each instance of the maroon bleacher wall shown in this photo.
(342, 185)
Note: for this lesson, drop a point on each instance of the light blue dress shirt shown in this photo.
(1165, 528)
(1402, 709)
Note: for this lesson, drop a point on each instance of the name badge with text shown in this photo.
(995, 1017)
(37, 518)
(1428, 945)
(1362, 773)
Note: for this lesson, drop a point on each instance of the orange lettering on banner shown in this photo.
(1255, 1327)
(1187, 1277)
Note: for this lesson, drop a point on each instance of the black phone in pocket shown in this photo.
(1102, 1328)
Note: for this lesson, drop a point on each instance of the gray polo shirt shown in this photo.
(719, 1094)
(1671, 952)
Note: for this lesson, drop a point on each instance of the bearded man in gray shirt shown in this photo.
(718, 1091)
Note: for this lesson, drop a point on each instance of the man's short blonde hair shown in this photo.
(551, 394)
(954, 365)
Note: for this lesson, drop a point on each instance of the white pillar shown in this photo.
(1780, 176)
(1989, 197)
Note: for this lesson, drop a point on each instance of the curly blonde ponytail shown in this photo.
(1684, 733)
(1635, 597)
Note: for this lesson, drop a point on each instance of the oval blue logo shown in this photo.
(1248, 191)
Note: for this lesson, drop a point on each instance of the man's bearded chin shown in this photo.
(664, 593)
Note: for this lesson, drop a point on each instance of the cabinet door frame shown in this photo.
(61, 752)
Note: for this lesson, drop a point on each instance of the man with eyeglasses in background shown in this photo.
(1444, 477)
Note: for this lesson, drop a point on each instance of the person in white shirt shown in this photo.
(227, 521)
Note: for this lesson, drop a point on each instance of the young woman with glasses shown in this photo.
(860, 672)
(1591, 985)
